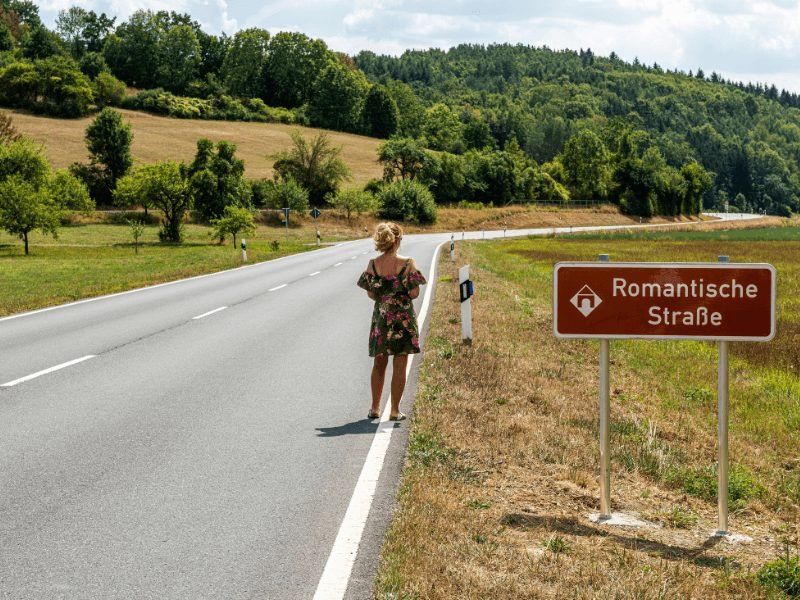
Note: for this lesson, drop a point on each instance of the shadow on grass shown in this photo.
(573, 526)
(356, 427)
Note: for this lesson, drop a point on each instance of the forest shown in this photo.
(487, 124)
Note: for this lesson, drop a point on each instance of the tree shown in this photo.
(164, 186)
(353, 201)
(447, 177)
(407, 201)
(411, 113)
(477, 134)
(92, 64)
(588, 167)
(287, 193)
(33, 197)
(109, 139)
(217, 179)
(234, 220)
(19, 84)
(442, 129)
(179, 58)
(314, 164)
(380, 113)
(244, 62)
(338, 97)
(83, 31)
(61, 89)
(402, 158)
(293, 63)
(132, 50)
(42, 43)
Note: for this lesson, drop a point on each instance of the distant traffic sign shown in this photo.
(315, 212)
(710, 301)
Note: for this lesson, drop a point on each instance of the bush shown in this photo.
(108, 90)
(353, 201)
(407, 201)
(782, 574)
(287, 193)
(742, 484)
(221, 107)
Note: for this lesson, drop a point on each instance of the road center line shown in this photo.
(46, 371)
(211, 312)
(338, 264)
(283, 285)
(336, 575)
(313, 274)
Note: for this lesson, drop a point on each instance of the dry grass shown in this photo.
(159, 138)
(502, 464)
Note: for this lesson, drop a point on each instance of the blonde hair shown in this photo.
(386, 234)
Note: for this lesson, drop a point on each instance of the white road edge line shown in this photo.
(338, 264)
(46, 371)
(336, 575)
(283, 285)
(211, 312)
(314, 273)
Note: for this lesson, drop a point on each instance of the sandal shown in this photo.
(398, 417)
(373, 415)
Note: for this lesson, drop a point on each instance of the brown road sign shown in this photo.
(709, 301)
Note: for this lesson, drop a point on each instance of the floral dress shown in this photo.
(394, 324)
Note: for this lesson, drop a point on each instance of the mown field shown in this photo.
(158, 138)
(502, 466)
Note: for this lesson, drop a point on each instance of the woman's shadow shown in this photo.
(356, 427)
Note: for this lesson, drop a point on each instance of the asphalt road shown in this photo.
(149, 453)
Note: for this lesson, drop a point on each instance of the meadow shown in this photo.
(95, 254)
(502, 466)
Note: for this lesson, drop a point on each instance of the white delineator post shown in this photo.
(466, 304)
(452, 248)
(722, 432)
(244, 250)
(605, 413)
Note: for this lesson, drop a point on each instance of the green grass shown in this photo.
(92, 260)
(767, 234)
(764, 377)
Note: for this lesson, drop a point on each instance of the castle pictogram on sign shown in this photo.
(586, 300)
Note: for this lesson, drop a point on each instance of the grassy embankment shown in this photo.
(503, 456)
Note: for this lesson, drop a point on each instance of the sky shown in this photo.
(742, 40)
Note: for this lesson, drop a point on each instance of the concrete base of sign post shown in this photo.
(618, 519)
(732, 538)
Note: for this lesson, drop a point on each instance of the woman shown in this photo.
(393, 282)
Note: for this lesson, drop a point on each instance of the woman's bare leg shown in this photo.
(376, 381)
(399, 363)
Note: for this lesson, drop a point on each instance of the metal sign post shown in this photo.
(286, 220)
(605, 416)
(722, 432)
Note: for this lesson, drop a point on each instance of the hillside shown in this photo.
(158, 138)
